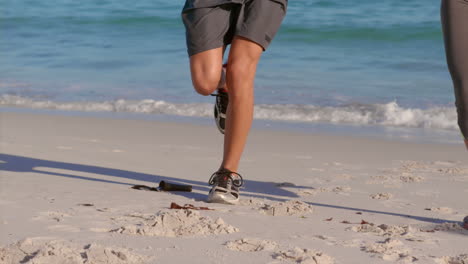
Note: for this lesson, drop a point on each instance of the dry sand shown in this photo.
(66, 197)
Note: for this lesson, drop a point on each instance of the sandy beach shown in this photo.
(66, 196)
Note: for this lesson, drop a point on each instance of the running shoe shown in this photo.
(225, 188)
(220, 109)
(221, 103)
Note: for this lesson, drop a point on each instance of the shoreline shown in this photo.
(402, 134)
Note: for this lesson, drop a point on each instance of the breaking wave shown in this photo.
(388, 114)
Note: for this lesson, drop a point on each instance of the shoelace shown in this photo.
(224, 172)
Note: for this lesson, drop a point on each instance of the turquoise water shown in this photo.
(352, 62)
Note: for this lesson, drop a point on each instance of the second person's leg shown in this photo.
(454, 21)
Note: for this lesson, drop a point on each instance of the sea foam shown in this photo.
(387, 114)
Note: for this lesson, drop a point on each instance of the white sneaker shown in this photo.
(226, 186)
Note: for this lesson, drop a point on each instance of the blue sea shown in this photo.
(355, 65)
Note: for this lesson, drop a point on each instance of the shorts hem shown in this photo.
(253, 39)
(192, 52)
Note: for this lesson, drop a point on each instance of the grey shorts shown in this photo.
(214, 27)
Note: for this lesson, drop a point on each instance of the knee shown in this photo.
(240, 77)
(203, 89)
(241, 68)
(205, 85)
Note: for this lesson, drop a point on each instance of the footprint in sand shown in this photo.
(255, 202)
(381, 196)
(406, 172)
(460, 259)
(410, 165)
(443, 163)
(285, 184)
(378, 179)
(46, 251)
(288, 208)
(311, 192)
(441, 167)
(451, 227)
(52, 215)
(331, 241)
(104, 210)
(299, 255)
(456, 170)
(295, 255)
(441, 210)
(251, 245)
(395, 179)
(409, 178)
(174, 223)
(391, 231)
(390, 250)
(341, 190)
(303, 191)
(449, 167)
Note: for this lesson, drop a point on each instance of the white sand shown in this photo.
(304, 256)
(287, 208)
(65, 196)
(252, 245)
(177, 223)
(47, 251)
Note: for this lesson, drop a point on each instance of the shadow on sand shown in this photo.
(267, 190)
(64, 169)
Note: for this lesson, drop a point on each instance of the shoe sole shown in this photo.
(217, 114)
(218, 197)
(218, 118)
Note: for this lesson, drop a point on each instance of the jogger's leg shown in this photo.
(242, 65)
(206, 68)
(454, 23)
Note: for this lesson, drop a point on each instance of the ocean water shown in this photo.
(358, 62)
